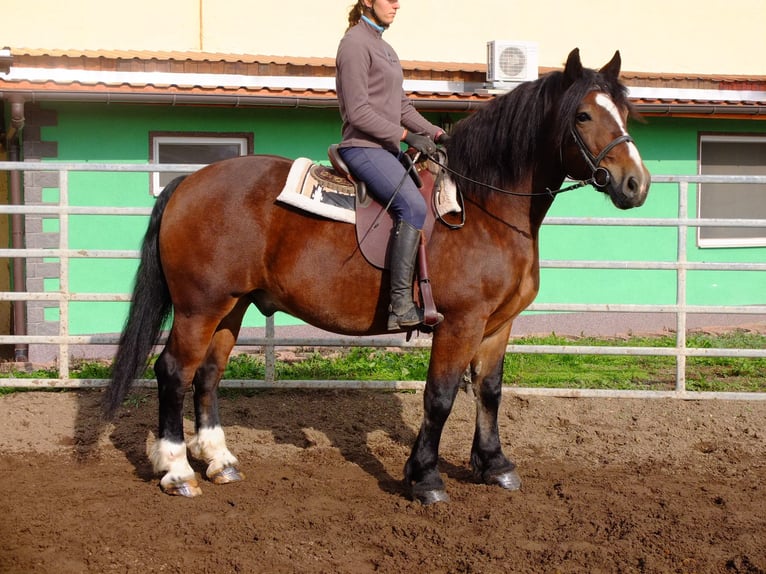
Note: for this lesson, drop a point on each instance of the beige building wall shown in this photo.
(681, 36)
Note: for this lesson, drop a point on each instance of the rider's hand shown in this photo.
(421, 143)
(442, 138)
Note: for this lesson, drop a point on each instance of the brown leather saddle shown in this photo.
(374, 225)
(373, 222)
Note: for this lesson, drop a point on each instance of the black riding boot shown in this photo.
(403, 312)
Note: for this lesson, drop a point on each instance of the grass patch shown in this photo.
(732, 374)
(524, 370)
(591, 371)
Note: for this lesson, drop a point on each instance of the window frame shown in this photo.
(157, 138)
(721, 242)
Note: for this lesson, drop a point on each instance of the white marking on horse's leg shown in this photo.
(209, 444)
(170, 457)
(608, 104)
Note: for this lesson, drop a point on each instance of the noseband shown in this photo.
(600, 176)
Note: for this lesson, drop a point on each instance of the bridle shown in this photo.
(600, 176)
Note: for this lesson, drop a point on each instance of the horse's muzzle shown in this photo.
(628, 191)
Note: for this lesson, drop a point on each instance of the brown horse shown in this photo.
(218, 242)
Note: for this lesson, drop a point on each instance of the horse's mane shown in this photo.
(500, 143)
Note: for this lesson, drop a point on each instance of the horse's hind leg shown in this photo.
(209, 442)
(168, 454)
(176, 369)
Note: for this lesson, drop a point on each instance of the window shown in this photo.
(193, 148)
(732, 155)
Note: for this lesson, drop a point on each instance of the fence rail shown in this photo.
(271, 341)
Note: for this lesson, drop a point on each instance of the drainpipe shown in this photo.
(18, 277)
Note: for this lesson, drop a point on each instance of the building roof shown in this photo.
(262, 80)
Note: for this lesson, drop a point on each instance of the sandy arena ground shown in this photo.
(609, 485)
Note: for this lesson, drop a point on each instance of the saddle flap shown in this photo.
(374, 223)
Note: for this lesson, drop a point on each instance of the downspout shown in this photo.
(18, 276)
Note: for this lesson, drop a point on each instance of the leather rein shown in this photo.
(600, 176)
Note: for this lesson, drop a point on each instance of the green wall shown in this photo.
(668, 147)
(120, 133)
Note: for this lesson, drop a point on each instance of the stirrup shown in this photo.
(410, 318)
(413, 317)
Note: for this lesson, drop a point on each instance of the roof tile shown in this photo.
(255, 65)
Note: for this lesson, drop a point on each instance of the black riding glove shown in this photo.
(421, 143)
(442, 138)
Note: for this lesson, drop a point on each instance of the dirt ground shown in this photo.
(609, 485)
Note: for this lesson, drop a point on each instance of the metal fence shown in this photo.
(271, 341)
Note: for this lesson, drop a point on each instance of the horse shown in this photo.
(218, 242)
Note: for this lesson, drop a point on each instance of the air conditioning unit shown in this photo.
(511, 62)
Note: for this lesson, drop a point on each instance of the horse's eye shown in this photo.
(582, 117)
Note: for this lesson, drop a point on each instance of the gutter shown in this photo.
(18, 275)
(237, 101)
(701, 110)
(425, 104)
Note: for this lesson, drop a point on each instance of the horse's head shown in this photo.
(596, 143)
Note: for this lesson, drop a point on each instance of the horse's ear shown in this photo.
(612, 69)
(573, 68)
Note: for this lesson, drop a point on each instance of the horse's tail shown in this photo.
(149, 308)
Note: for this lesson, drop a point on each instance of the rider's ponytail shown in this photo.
(355, 14)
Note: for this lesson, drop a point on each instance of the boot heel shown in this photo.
(411, 318)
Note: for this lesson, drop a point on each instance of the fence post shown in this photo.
(683, 212)
(270, 369)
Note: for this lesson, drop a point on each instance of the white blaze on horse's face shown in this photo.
(608, 104)
(603, 123)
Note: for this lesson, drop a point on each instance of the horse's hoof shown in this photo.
(188, 488)
(508, 480)
(428, 497)
(226, 475)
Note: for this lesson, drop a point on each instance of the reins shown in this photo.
(600, 176)
(548, 191)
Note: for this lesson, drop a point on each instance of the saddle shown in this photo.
(374, 224)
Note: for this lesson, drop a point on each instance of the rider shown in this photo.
(377, 116)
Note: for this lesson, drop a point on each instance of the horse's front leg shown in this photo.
(450, 355)
(489, 463)
(421, 473)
